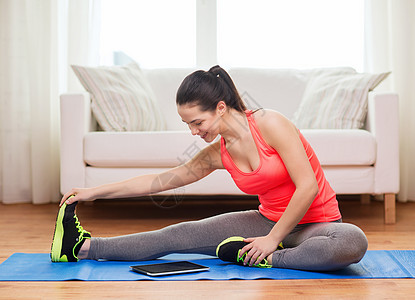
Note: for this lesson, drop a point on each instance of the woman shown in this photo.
(298, 224)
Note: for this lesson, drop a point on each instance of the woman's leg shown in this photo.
(188, 237)
(321, 247)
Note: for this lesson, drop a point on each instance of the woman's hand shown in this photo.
(77, 195)
(258, 249)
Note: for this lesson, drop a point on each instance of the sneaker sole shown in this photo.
(231, 239)
(58, 235)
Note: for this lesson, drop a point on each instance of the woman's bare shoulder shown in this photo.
(272, 125)
(267, 118)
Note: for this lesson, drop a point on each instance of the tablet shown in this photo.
(171, 268)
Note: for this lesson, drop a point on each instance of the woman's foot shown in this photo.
(69, 236)
(229, 250)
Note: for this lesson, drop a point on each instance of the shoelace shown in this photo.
(79, 226)
(263, 264)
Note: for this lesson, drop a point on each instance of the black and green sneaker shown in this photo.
(229, 250)
(69, 235)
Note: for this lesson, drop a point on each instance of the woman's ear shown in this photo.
(221, 108)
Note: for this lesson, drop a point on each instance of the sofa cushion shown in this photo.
(172, 148)
(342, 147)
(165, 83)
(278, 89)
(336, 101)
(121, 98)
(140, 149)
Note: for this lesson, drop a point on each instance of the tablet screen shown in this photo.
(171, 268)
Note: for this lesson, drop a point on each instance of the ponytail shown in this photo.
(206, 89)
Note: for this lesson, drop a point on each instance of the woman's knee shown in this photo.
(354, 243)
(360, 241)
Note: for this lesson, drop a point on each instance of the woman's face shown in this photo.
(202, 123)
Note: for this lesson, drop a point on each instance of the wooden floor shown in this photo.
(29, 228)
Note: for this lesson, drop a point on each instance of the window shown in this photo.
(235, 33)
(290, 34)
(157, 33)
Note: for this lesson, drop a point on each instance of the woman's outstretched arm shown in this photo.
(201, 165)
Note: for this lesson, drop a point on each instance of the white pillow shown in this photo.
(121, 98)
(336, 101)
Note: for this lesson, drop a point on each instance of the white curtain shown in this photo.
(390, 45)
(36, 47)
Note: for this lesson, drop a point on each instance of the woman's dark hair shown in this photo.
(206, 89)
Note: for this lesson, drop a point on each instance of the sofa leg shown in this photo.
(365, 198)
(390, 209)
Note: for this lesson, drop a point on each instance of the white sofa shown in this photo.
(362, 161)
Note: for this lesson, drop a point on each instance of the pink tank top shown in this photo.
(273, 185)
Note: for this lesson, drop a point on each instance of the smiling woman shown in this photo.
(201, 93)
(265, 155)
(204, 123)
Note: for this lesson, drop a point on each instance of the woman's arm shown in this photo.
(201, 165)
(283, 136)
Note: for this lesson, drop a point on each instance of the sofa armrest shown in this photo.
(75, 120)
(383, 122)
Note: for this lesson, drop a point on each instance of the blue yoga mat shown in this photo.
(38, 267)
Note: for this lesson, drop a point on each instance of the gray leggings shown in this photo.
(316, 246)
